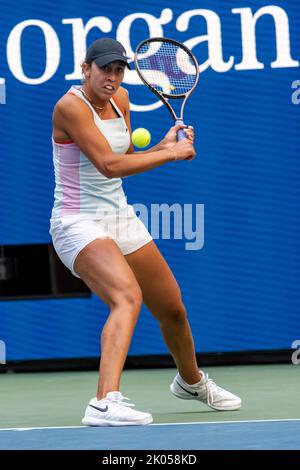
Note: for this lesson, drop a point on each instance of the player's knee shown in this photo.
(134, 298)
(175, 313)
(130, 297)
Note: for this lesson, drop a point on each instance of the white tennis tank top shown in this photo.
(80, 189)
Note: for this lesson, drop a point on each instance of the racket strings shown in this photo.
(167, 67)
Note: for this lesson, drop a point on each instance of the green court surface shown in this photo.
(59, 399)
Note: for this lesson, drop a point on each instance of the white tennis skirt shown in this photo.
(70, 234)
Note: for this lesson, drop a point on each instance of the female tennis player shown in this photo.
(99, 238)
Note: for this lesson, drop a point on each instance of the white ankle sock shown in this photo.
(201, 382)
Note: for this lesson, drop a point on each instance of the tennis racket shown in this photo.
(170, 70)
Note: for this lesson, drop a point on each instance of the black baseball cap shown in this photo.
(106, 50)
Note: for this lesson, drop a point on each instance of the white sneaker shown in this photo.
(206, 391)
(113, 411)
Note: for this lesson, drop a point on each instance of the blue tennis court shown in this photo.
(249, 435)
(48, 414)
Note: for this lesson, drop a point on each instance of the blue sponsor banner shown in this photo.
(236, 253)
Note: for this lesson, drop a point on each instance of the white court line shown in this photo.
(241, 421)
(161, 424)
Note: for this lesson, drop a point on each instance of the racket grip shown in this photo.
(180, 133)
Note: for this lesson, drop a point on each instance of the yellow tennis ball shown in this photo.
(141, 137)
(172, 87)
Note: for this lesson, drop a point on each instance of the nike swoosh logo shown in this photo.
(194, 394)
(100, 409)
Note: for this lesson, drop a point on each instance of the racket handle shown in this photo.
(180, 133)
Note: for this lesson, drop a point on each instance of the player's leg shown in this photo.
(104, 269)
(162, 296)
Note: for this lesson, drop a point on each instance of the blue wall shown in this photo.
(241, 289)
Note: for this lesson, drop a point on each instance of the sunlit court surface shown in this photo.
(46, 414)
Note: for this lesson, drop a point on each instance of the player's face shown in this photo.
(105, 81)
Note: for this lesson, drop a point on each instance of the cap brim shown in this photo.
(107, 59)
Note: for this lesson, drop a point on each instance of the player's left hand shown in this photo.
(190, 133)
(171, 137)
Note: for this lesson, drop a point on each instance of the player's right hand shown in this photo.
(183, 150)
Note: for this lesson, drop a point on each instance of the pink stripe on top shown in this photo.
(68, 156)
(80, 188)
